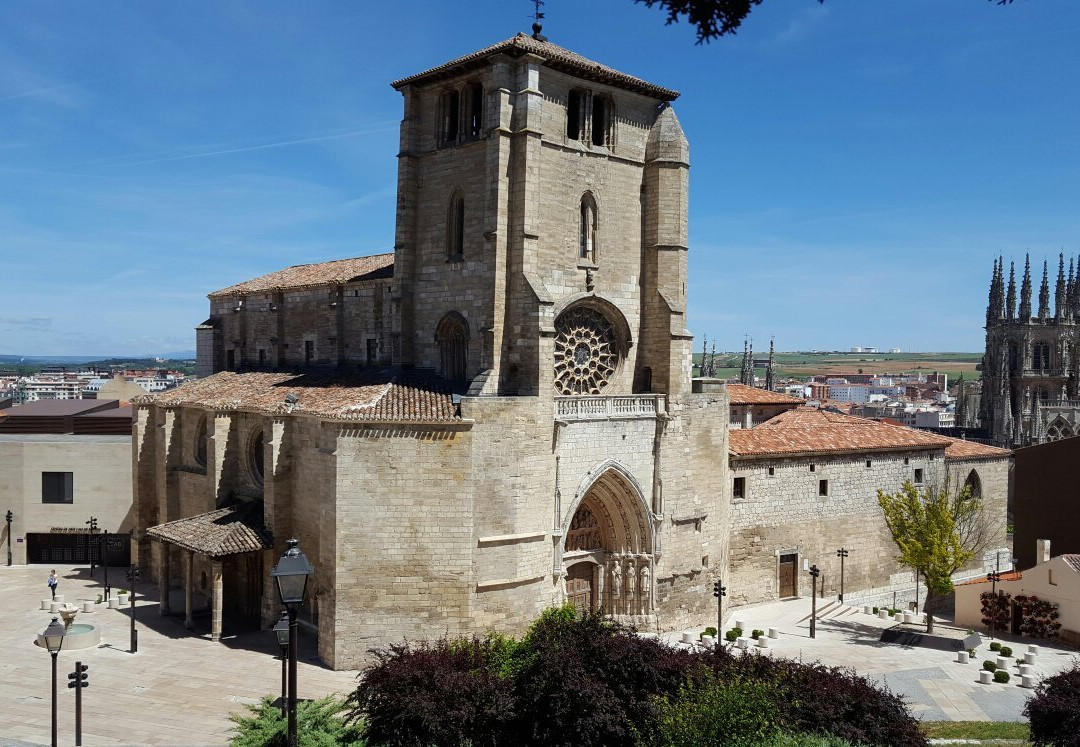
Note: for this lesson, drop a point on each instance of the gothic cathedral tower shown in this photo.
(541, 233)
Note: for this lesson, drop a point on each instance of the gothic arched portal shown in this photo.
(608, 550)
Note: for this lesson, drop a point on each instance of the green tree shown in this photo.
(925, 527)
(716, 18)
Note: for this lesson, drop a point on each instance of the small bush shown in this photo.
(739, 714)
(318, 724)
(732, 634)
(1054, 710)
(971, 653)
(995, 646)
(1005, 651)
(989, 666)
(757, 634)
(808, 740)
(709, 631)
(1001, 676)
(875, 610)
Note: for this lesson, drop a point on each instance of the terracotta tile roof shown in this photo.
(311, 276)
(1006, 576)
(364, 395)
(961, 449)
(555, 57)
(226, 531)
(810, 431)
(741, 394)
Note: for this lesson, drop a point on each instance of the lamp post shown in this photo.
(8, 517)
(814, 573)
(291, 574)
(54, 640)
(105, 562)
(281, 631)
(719, 591)
(133, 576)
(993, 577)
(842, 553)
(91, 529)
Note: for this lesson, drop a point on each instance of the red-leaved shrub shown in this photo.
(1054, 711)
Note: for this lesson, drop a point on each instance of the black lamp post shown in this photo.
(993, 577)
(133, 576)
(105, 562)
(291, 574)
(54, 640)
(814, 573)
(8, 517)
(842, 553)
(719, 591)
(91, 529)
(281, 631)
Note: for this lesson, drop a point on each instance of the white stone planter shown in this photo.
(114, 603)
(985, 678)
(962, 657)
(763, 642)
(867, 609)
(123, 599)
(883, 614)
(686, 637)
(1029, 658)
(909, 617)
(1027, 680)
(87, 606)
(774, 632)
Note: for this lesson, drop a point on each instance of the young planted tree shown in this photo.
(924, 526)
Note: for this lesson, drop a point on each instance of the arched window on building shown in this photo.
(1058, 430)
(452, 337)
(601, 120)
(1040, 356)
(587, 229)
(475, 122)
(449, 117)
(201, 440)
(256, 456)
(455, 228)
(974, 484)
(575, 109)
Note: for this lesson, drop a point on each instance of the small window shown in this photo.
(475, 121)
(739, 488)
(1050, 577)
(372, 351)
(812, 467)
(309, 352)
(869, 464)
(56, 487)
(262, 357)
(772, 471)
(918, 476)
(256, 458)
(573, 115)
(704, 561)
(823, 488)
(450, 106)
(201, 442)
(230, 360)
(907, 461)
(455, 229)
(601, 119)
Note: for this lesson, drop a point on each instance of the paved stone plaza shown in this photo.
(177, 690)
(935, 686)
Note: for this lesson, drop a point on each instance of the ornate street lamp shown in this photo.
(8, 517)
(91, 528)
(842, 553)
(719, 591)
(814, 573)
(133, 576)
(54, 640)
(291, 574)
(281, 631)
(993, 577)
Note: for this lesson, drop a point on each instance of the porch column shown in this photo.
(189, 582)
(163, 578)
(215, 600)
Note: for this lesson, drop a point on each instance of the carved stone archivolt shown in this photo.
(584, 532)
(586, 351)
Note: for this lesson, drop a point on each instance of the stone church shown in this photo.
(1030, 386)
(496, 417)
(499, 415)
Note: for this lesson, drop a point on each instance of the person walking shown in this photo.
(53, 580)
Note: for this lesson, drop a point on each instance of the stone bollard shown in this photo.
(1025, 669)
(686, 637)
(45, 603)
(1033, 649)
(774, 632)
(882, 613)
(87, 606)
(899, 617)
(909, 617)
(741, 625)
(1027, 680)
(742, 642)
(54, 607)
(114, 604)
(708, 641)
(867, 609)
(985, 678)
(59, 598)
(962, 657)
(1029, 658)
(1002, 662)
(763, 642)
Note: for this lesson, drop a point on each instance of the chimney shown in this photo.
(1042, 551)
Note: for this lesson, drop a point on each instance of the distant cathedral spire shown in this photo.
(1044, 295)
(1070, 291)
(769, 368)
(1025, 291)
(746, 376)
(1010, 299)
(1060, 307)
(994, 299)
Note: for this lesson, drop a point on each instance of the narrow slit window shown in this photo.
(601, 111)
(476, 110)
(573, 115)
(918, 476)
(587, 237)
(451, 113)
(455, 244)
(823, 488)
(739, 488)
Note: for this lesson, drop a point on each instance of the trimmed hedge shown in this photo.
(1054, 711)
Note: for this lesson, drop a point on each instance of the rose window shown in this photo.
(586, 351)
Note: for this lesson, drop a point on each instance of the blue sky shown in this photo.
(856, 165)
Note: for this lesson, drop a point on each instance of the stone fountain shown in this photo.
(76, 635)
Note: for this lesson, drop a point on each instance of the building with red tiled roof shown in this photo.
(750, 405)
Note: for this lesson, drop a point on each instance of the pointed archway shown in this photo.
(608, 551)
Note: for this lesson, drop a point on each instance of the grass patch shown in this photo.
(975, 729)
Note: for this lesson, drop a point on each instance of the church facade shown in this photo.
(494, 418)
(1030, 385)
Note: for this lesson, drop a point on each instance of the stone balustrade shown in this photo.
(607, 408)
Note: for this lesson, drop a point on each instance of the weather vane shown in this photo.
(537, 17)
